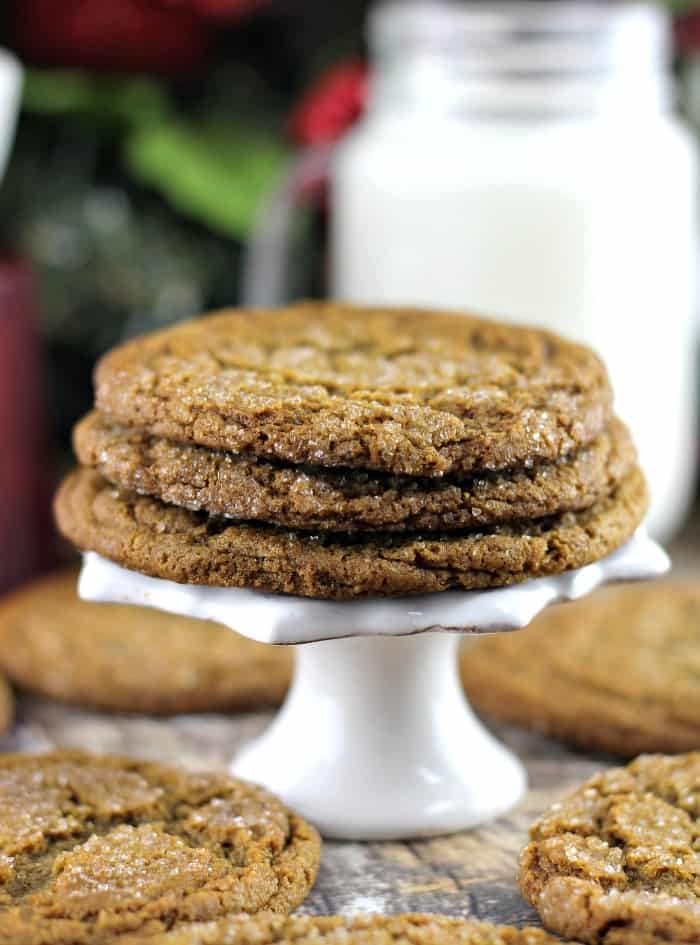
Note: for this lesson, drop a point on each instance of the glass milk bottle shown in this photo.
(523, 160)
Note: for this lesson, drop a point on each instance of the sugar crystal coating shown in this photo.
(359, 930)
(619, 860)
(247, 488)
(164, 541)
(409, 392)
(92, 848)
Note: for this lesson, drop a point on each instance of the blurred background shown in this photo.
(534, 161)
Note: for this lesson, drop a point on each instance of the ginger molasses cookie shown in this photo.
(144, 534)
(410, 392)
(616, 863)
(358, 930)
(92, 848)
(248, 489)
(132, 658)
(618, 671)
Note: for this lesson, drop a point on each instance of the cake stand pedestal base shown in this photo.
(376, 741)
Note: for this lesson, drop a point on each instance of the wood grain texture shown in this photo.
(471, 873)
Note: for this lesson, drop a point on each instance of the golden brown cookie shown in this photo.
(616, 863)
(164, 541)
(618, 671)
(132, 659)
(7, 705)
(410, 392)
(242, 487)
(92, 848)
(408, 929)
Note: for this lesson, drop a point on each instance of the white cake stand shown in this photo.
(376, 739)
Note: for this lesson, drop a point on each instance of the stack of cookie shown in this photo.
(339, 452)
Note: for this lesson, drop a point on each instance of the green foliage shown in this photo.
(214, 172)
(681, 6)
(95, 100)
(215, 169)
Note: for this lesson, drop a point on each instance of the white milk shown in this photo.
(522, 160)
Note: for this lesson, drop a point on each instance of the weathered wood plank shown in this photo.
(472, 873)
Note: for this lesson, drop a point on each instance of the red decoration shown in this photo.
(110, 35)
(23, 474)
(331, 106)
(688, 32)
(217, 9)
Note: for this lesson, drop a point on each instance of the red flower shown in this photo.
(109, 35)
(331, 106)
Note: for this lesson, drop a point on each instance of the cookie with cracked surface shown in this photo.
(95, 847)
(409, 929)
(562, 675)
(410, 392)
(132, 659)
(616, 863)
(242, 487)
(165, 541)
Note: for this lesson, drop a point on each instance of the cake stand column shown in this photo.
(376, 741)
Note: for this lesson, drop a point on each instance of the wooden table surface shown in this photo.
(471, 873)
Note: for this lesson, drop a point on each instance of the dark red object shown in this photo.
(23, 480)
(218, 9)
(110, 35)
(331, 106)
(688, 32)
